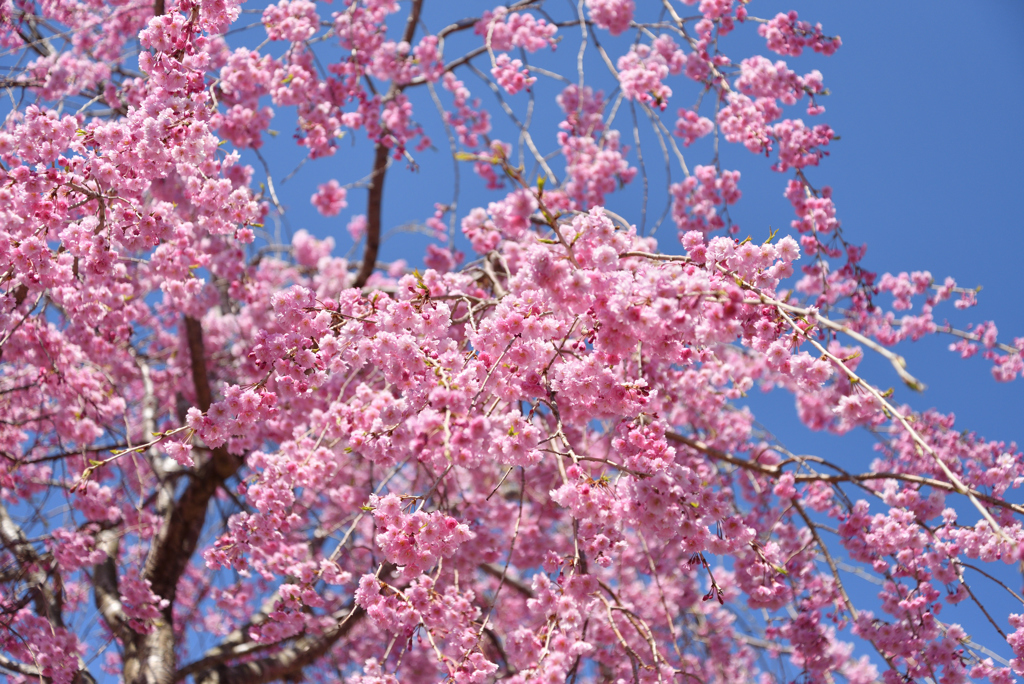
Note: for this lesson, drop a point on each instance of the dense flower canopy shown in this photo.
(240, 459)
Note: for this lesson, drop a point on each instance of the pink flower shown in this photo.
(142, 606)
(507, 31)
(614, 15)
(294, 20)
(696, 200)
(787, 35)
(330, 198)
(182, 453)
(357, 227)
(690, 126)
(643, 68)
(511, 75)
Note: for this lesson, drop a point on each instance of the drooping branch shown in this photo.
(842, 476)
(974, 337)
(898, 363)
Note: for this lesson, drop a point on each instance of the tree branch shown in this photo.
(47, 603)
(197, 351)
(106, 594)
(373, 212)
(843, 476)
(14, 540)
(288, 662)
(177, 539)
(235, 644)
(14, 666)
(380, 167)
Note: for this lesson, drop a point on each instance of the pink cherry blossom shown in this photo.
(330, 198)
(510, 74)
(787, 35)
(690, 126)
(505, 30)
(613, 15)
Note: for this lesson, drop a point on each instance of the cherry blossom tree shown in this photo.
(236, 458)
